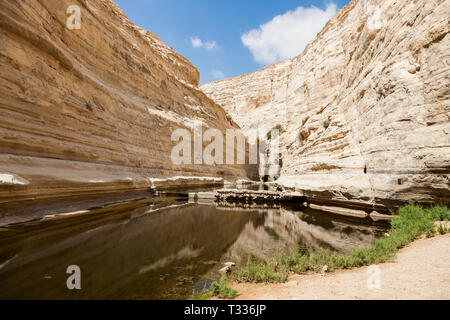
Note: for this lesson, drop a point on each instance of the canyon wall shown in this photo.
(92, 110)
(365, 109)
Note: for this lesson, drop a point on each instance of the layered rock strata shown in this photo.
(92, 110)
(364, 110)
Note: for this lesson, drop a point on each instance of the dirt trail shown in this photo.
(420, 271)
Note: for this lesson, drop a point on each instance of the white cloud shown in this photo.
(198, 43)
(210, 45)
(286, 35)
(217, 74)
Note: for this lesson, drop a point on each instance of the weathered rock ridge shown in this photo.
(92, 110)
(379, 74)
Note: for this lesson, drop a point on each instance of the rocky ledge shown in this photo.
(257, 197)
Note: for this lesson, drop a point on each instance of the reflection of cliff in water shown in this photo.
(154, 251)
(284, 230)
(127, 258)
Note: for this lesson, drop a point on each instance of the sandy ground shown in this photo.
(420, 271)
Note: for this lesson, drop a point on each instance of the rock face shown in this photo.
(92, 110)
(365, 108)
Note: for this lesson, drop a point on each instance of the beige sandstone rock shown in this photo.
(379, 73)
(341, 211)
(92, 111)
(225, 270)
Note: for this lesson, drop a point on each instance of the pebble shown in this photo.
(225, 270)
(229, 264)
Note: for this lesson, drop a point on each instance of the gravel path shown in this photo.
(420, 271)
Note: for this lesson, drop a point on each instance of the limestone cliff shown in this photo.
(92, 110)
(378, 74)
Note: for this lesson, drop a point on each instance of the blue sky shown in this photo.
(217, 37)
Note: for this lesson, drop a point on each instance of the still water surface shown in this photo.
(161, 248)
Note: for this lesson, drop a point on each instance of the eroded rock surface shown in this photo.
(92, 111)
(365, 108)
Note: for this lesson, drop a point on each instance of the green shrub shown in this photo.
(277, 127)
(443, 228)
(326, 124)
(268, 271)
(218, 289)
(409, 224)
(201, 295)
(222, 290)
